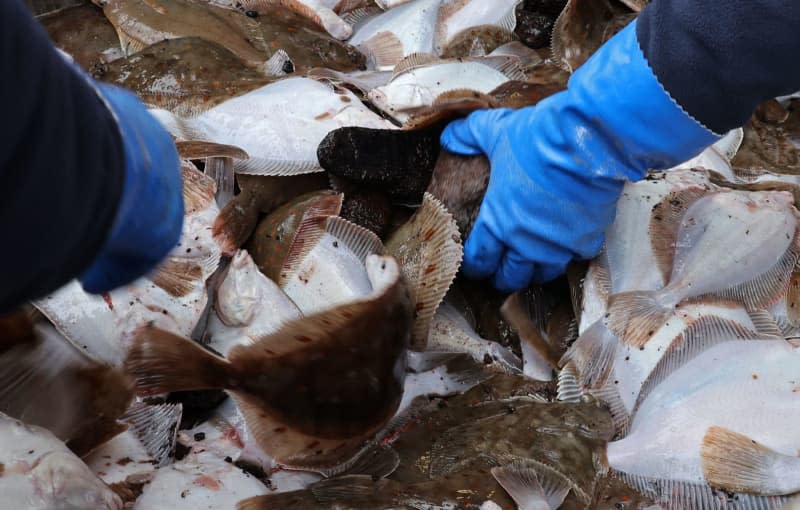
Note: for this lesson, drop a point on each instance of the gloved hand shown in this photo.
(149, 218)
(558, 168)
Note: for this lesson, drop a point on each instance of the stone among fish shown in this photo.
(40, 470)
(279, 125)
(397, 33)
(474, 27)
(535, 20)
(725, 427)
(750, 239)
(84, 33)
(173, 297)
(420, 79)
(310, 393)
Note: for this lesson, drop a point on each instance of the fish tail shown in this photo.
(592, 355)
(734, 462)
(636, 316)
(161, 362)
(156, 428)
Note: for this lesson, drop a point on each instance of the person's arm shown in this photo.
(653, 96)
(91, 184)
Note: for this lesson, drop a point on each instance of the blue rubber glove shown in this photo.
(149, 219)
(558, 168)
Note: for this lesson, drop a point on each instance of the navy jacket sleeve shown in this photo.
(61, 163)
(719, 58)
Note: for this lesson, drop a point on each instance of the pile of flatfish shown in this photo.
(310, 343)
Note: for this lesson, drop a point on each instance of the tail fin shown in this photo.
(161, 362)
(636, 316)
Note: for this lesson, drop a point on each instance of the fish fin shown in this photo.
(609, 394)
(793, 298)
(592, 355)
(276, 167)
(128, 43)
(532, 486)
(764, 322)
(463, 370)
(425, 361)
(429, 250)
(700, 336)
(276, 64)
(377, 461)
(636, 316)
(768, 287)
(221, 169)
(309, 232)
(354, 489)
(698, 496)
(734, 462)
(447, 9)
(156, 428)
(357, 16)
(665, 221)
(198, 188)
(322, 16)
(293, 499)
(567, 388)
(162, 362)
(507, 65)
(360, 241)
(415, 61)
(235, 223)
(383, 50)
(177, 276)
(509, 21)
(602, 275)
(201, 149)
(514, 313)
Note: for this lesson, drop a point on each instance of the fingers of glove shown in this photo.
(470, 136)
(482, 253)
(109, 272)
(547, 272)
(515, 272)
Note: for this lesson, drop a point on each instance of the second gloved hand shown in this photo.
(149, 216)
(558, 168)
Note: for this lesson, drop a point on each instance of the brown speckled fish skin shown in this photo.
(260, 194)
(770, 143)
(460, 182)
(274, 235)
(84, 33)
(185, 76)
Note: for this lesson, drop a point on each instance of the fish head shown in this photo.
(238, 295)
(382, 271)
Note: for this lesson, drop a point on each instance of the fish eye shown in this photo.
(383, 265)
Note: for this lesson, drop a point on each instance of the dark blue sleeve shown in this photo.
(720, 58)
(61, 163)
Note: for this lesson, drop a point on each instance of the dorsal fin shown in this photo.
(703, 334)
(198, 188)
(429, 250)
(383, 50)
(415, 61)
(360, 241)
(201, 149)
(360, 15)
(308, 233)
(507, 65)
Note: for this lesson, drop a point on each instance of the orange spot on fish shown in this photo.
(430, 269)
(207, 482)
(313, 444)
(419, 306)
(323, 116)
(755, 377)
(302, 338)
(279, 429)
(428, 235)
(107, 299)
(233, 436)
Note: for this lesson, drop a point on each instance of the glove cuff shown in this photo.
(620, 95)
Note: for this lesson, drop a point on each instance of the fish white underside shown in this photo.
(413, 23)
(749, 387)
